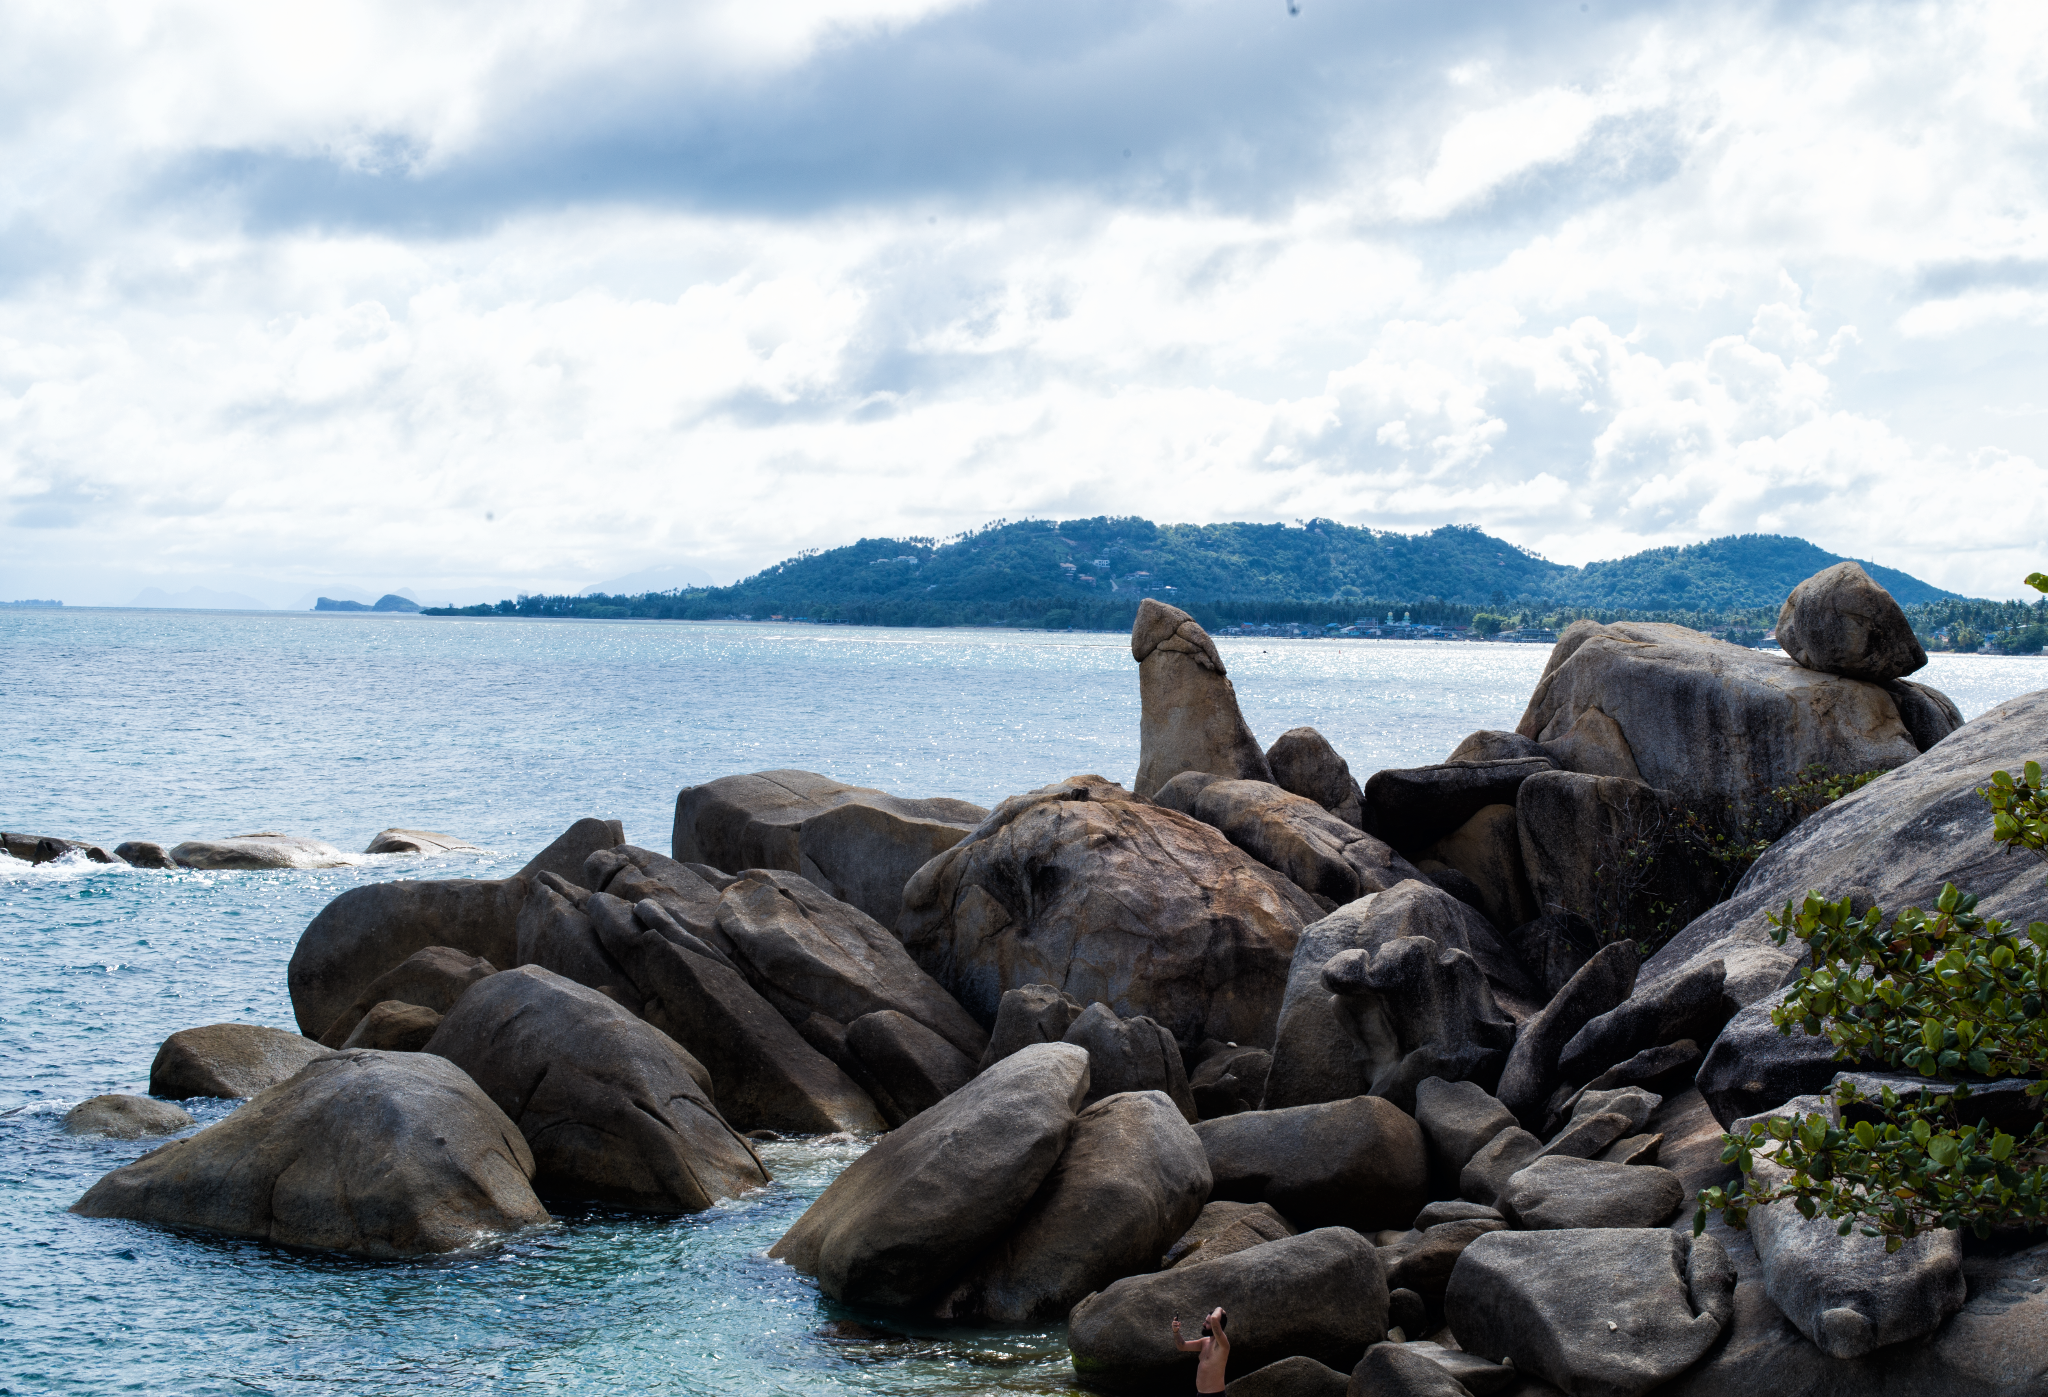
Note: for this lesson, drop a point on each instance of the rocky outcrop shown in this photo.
(247, 851)
(227, 1059)
(906, 1219)
(1304, 762)
(1416, 1010)
(1131, 1180)
(417, 841)
(1839, 621)
(376, 1154)
(125, 1117)
(1130, 1055)
(394, 1026)
(1359, 1163)
(1413, 808)
(1188, 718)
(1599, 1312)
(856, 844)
(607, 1103)
(1320, 1295)
(433, 978)
(1108, 897)
(1319, 853)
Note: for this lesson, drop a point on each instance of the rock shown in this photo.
(1493, 745)
(1406, 1314)
(914, 1067)
(1188, 716)
(1487, 849)
(1657, 1069)
(1458, 1119)
(1230, 1082)
(433, 978)
(1928, 713)
(1314, 1058)
(1026, 1015)
(1585, 1136)
(1397, 1370)
(1299, 1376)
(1304, 762)
(1224, 1229)
(394, 1026)
(418, 841)
(1531, 1073)
(1412, 809)
(1606, 849)
(368, 930)
(856, 844)
(558, 931)
(48, 848)
(1477, 1376)
(259, 851)
(1425, 1265)
(1552, 948)
(1495, 1162)
(1317, 851)
(1893, 843)
(377, 1154)
(608, 1103)
(1559, 1192)
(1126, 1055)
(1839, 621)
(1131, 1179)
(1752, 1067)
(1691, 1143)
(1358, 1163)
(1675, 694)
(1108, 897)
(1633, 1104)
(1635, 1149)
(903, 1221)
(1599, 1312)
(1418, 1010)
(1454, 883)
(768, 1077)
(1594, 746)
(227, 1059)
(125, 1117)
(140, 853)
(1320, 1295)
(1691, 1005)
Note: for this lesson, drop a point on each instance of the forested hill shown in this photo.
(1094, 571)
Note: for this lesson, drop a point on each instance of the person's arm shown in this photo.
(1185, 1345)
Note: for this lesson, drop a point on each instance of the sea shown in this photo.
(167, 725)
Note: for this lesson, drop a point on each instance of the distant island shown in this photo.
(31, 602)
(1090, 574)
(390, 601)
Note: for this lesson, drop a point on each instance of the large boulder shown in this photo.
(1360, 1163)
(1131, 1180)
(558, 931)
(809, 953)
(912, 1069)
(1418, 1010)
(1291, 834)
(227, 1059)
(1026, 1015)
(767, 1076)
(1320, 1295)
(1424, 1264)
(1839, 621)
(1720, 726)
(257, 851)
(1414, 807)
(1605, 848)
(125, 1117)
(433, 978)
(1108, 897)
(1188, 717)
(857, 844)
(1488, 850)
(1532, 1073)
(902, 1222)
(368, 930)
(1126, 1055)
(1555, 1191)
(608, 1103)
(1304, 762)
(377, 1154)
(1599, 1312)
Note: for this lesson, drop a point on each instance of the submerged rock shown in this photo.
(417, 841)
(227, 1059)
(125, 1117)
(1188, 718)
(248, 851)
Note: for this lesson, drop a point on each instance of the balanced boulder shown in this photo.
(1188, 717)
(376, 1154)
(1290, 834)
(433, 978)
(1108, 897)
(125, 1117)
(1839, 621)
(1304, 762)
(1359, 1163)
(227, 1059)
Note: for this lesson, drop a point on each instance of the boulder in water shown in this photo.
(248, 851)
(1188, 718)
(227, 1059)
(125, 1117)
(141, 853)
(417, 841)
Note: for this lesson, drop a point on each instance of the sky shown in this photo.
(478, 299)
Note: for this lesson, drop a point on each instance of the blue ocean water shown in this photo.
(173, 725)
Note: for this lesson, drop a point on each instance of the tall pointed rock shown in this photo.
(1189, 719)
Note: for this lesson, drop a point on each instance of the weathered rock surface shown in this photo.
(913, 1068)
(259, 851)
(607, 1103)
(1231, 1081)
(1753, 1067)
(558, 931)
(1458, 1119)
(1299, 1376)
(394, 1026)
(142, 853)
(227, 1059)
(1131, 1180)
(1026, 1015)
(903, 1221)
(1304, 762)
(125, 1117)
(1595, 746)
(1413, 808)
(1418, 1010)
(1108, 897)
(1692, 1004)
(1559, 1192)
(1577, 833)
(1552, 948)
(1359, 1163)
(1675, 694)
(1398, 1370)
(377, 1154)
(1487, 849)
(1599, 1312)
(1318, 852)
(1839, 621)
(1424, 1265)
(433, 978)
(1126, 1055)
(856, 844)
(1663, 1070)
(1531, 1074)
(1188, 717)
(1223, 1229)
(1320, 1295)
(417, 841)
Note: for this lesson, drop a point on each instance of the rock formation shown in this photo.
(1839, 621)
(1189, 720)
(1304, 763)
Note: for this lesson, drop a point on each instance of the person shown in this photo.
(1214, 1346)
